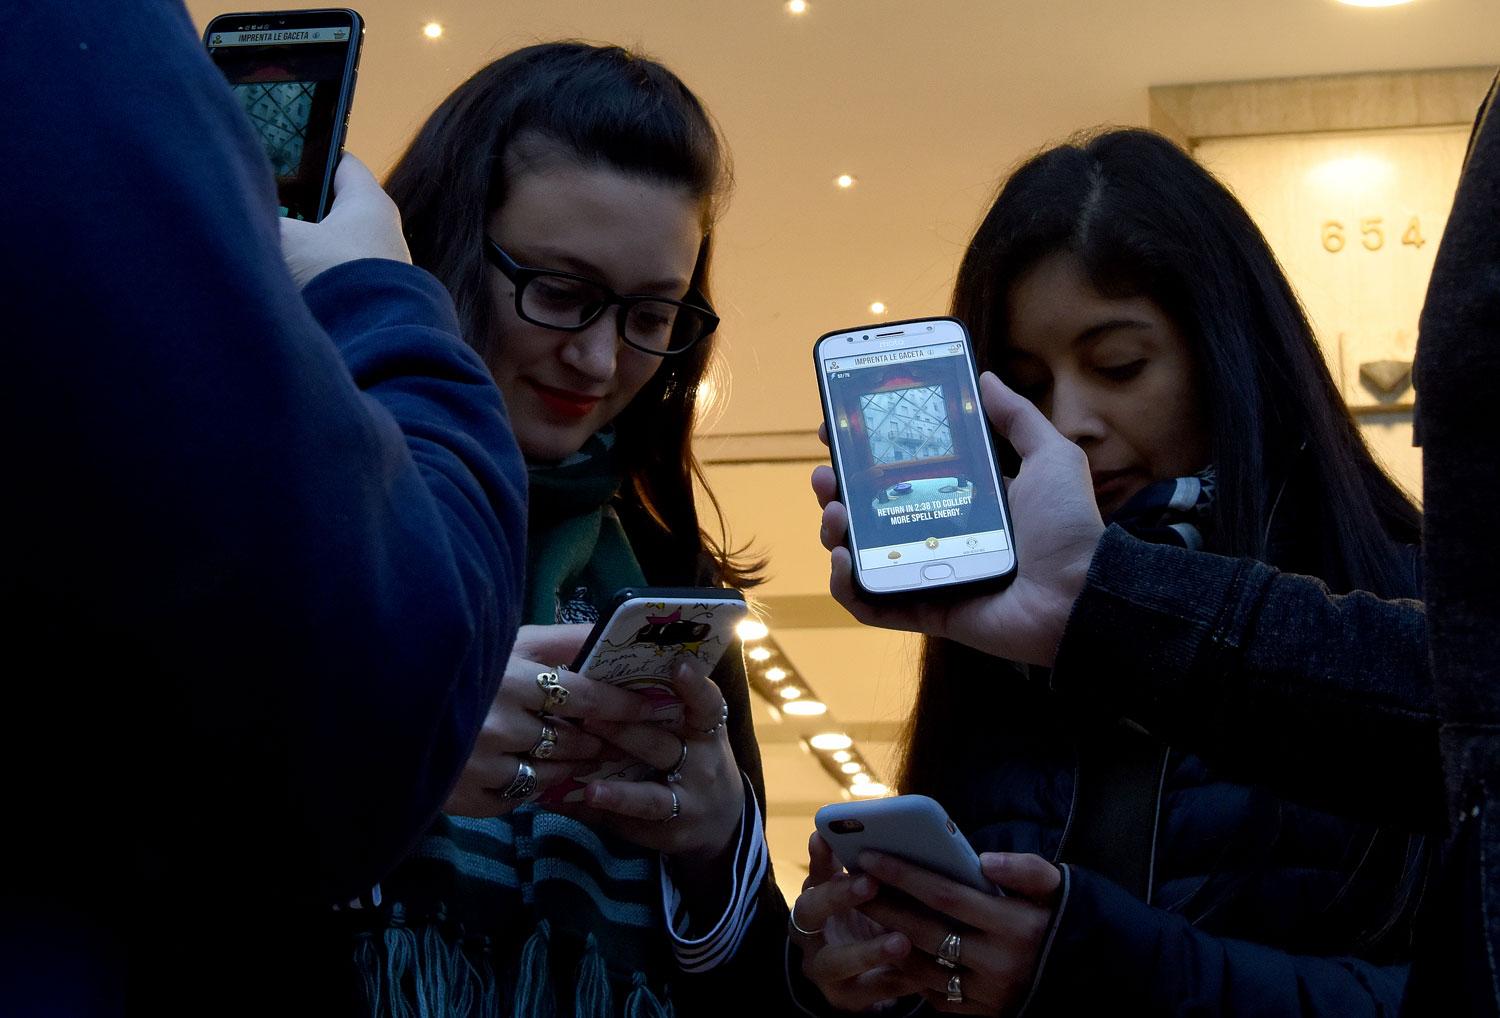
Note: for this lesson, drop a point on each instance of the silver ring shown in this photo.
(792, 918)
(546, 744)
(523, 785)
(675, 774)
(554, 693)
(676, 806)
(955, 989)
(723, 720)
(948, 950)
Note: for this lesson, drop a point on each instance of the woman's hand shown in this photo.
(850, 957)
(1056, 527)
(1000, 938)
(514, 728)
(708, 792)
(362, 222)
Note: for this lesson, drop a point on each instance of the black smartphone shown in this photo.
(914, 457)
(294, 73)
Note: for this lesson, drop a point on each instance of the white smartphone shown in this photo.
(638, 643)
(910, 827)
(915, 462)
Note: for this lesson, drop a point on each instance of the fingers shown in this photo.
(352, 180)
(1014, 418)
(517, 732)
(822, 867)
(938, 893)
(820, 902)
(702, 701)
(649, 744)
(849, 961)
(1026, 875)
(823, 432)
(924, 931)
(824, 484)
(835, 525)
(486, 777)
(638, 800)
(587, 698)
(551, 643)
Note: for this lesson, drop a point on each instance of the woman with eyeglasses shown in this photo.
(565, 195)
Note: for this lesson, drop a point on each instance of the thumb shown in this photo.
(1026, 876)
(821, 865)
(352, 182)
(1015, 418)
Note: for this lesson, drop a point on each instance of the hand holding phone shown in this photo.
(910, 827)
(362, 223)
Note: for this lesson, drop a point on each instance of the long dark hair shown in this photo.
(601, 106)
(1144, 219)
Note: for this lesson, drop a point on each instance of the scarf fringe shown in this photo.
(642, 1003)
(534, 996)
(592, 999)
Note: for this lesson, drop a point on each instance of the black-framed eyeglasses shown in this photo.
(561, 300)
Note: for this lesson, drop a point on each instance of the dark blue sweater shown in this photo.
(263, 554)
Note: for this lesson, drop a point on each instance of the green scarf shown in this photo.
(530, 914)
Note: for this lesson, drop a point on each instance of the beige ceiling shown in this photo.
(927, 103)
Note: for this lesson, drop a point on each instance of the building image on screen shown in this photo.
(906, 424)
(280, 112)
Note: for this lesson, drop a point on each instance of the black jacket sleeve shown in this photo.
(1109, 953)
(1324, 698)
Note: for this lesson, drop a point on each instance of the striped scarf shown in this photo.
(531, 914)
(1174, 511)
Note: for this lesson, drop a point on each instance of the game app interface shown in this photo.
(917, 476)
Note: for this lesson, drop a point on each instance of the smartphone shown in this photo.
(293, 73)
(910, 827)
(638, 643)
(914, 458)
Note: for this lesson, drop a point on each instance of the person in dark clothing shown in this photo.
(1333, 699)
(554, 181)
(1126, 292)
(263, 548)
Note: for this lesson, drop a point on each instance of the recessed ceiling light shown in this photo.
(751, 630)
(844, 181)
(759, 654)
(869, 790)
(806, 708)
(1374, 3)
(852, 767)
(796, 6)
(432, 30)
(877, 308)
(790, 692)
(832, 740)
(775, 674)
(842, 756)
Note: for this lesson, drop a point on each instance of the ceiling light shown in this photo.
(844, 180)
(432, 30)
(790, 693)
(843, 756)
(759, 654)
(831, 740)
(751, 630)
(1374, 3)
(877, 308)
(806, 708)
(869, 789)
(853, 767)
(860, 777)
(775, 674)
(796, 6)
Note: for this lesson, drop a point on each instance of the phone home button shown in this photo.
(937, 571)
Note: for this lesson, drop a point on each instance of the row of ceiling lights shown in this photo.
(772, 677)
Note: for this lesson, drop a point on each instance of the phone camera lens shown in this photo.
(864, 337)
(846, 827)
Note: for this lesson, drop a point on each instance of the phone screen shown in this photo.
(915, 463)
(289, 79)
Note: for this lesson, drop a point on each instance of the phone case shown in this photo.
(639, 643)
(910, 827)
